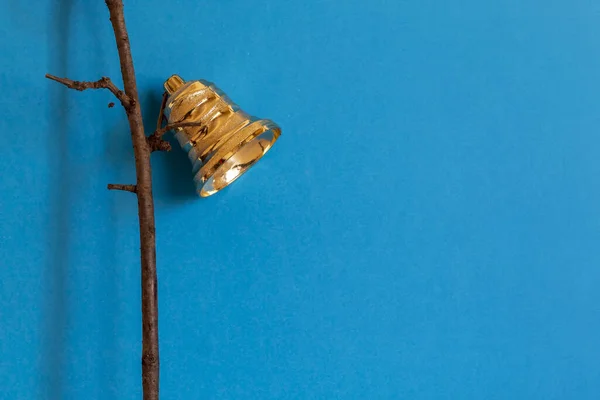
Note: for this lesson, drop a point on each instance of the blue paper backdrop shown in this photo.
(427, 227)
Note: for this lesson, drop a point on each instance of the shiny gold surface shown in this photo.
(226, 143)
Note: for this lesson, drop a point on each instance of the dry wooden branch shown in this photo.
(150, 359)
(143, 189)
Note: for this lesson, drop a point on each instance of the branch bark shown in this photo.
(150, 357)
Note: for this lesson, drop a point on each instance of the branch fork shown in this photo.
(102, 83)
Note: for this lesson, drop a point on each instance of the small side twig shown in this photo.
(160, 132)
(161, 113)
(126, 188)
(157, 143)
(102, 83)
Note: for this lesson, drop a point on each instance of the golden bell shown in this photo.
(225, 143)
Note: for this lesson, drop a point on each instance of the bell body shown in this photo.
(224, 141)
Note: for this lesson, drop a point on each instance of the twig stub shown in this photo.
(126, 188)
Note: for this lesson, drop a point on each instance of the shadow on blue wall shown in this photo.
(64, 194)
(175, 183)
(56, 318)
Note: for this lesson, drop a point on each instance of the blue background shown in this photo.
(427, 227)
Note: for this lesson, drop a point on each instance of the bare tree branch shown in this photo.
(102, 83)
(126, 188)
(141, 149)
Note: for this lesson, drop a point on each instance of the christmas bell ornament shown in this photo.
(225, 142)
